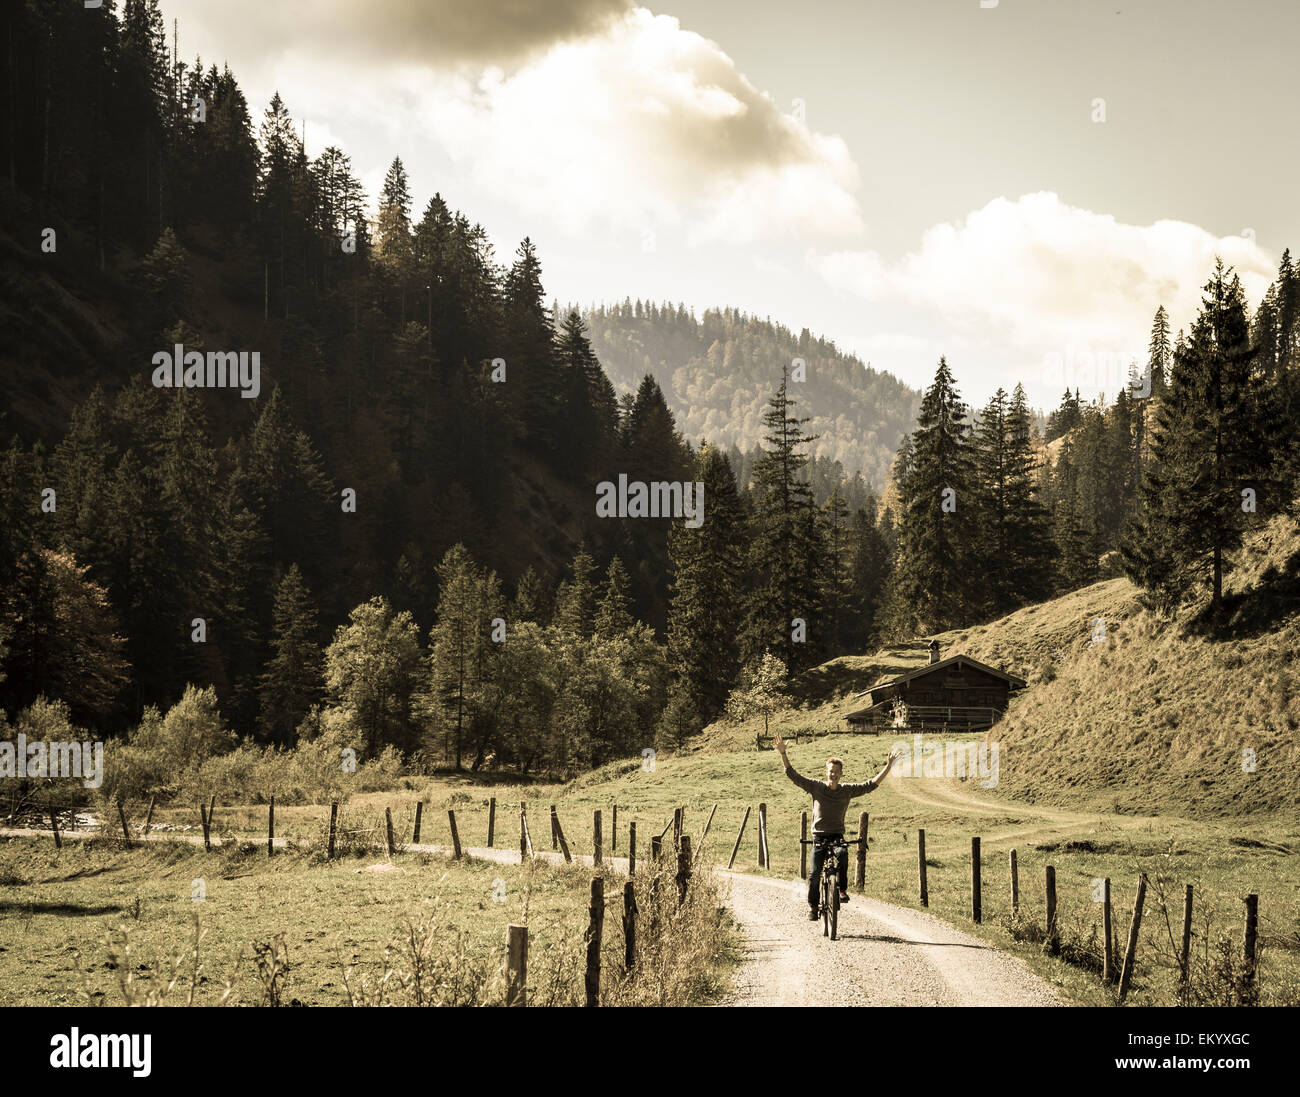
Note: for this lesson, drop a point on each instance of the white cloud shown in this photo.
(644, 126)
(1039, 276)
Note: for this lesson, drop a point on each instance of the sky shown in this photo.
(1014, 184)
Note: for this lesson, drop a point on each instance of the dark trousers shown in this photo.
(821, 847)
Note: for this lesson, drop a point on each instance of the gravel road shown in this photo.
(885, 956)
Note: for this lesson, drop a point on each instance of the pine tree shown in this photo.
(870, 566)
(783, 545)
(1159, 353)
(395, 250)
(938, 526)
(704, 614)
(1212, 444)
(529, 352)
(575, 602)
(458, 646)
(836, 575)
(588, 404)
(1030, 543)
(292, 680)
(531, 598)
(614, 615)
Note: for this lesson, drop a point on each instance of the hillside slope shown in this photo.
(1160, 716)
(718, 373)
(1164, 716)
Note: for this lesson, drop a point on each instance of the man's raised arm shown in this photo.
(794, 775)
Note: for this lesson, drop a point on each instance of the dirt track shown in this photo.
(885, 956)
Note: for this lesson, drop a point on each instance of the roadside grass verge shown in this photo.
(100, 923)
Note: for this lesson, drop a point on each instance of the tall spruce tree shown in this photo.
(835, 575)
(293, 679)
(1212, 447)
(1030, 542)
(704, 615)
(783, 544)
(939, 524)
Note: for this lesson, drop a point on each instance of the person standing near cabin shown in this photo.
(831, 800)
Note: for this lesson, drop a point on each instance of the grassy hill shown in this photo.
(1160, 716)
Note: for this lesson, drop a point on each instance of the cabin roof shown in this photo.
(943, 664)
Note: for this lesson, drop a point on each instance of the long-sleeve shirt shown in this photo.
(829, 804)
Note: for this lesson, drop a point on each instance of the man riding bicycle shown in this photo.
(830, 801)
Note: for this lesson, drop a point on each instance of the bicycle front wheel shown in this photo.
(827, 892)
(835, 911)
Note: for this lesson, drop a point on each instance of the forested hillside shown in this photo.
(146, 206)
(716, 372)
(387, 537)
(384, 538)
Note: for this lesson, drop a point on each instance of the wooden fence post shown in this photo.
(864, 821)
(121, 814)
(803, 845)
(656, 848)
(1130, 953)
(1015, 883)
(1108, 935)
(976, 906)
(613, 829)
(677, 828)
(1053, 937)
(555, 837)
(739, 835)
(631, 849)
(526, 838)
(148, 815)
(595, 929)
(419, 816)
(1184, 961)
(517, 965)
(762, 836)
(388, 830)
(683, 869)
(54, 825)
(207, 836)
(270, 827)
(596, 837)
(920, 867)
(212, 812)
(492, 819)
(629, 927)
(455, 834)
(334, 822)
(1249, 956)
(564, 845)
(707, 824)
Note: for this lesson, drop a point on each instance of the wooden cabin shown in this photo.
(958, 693)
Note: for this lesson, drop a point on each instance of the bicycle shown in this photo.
(830, 884)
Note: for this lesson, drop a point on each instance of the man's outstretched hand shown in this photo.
(780, 746)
